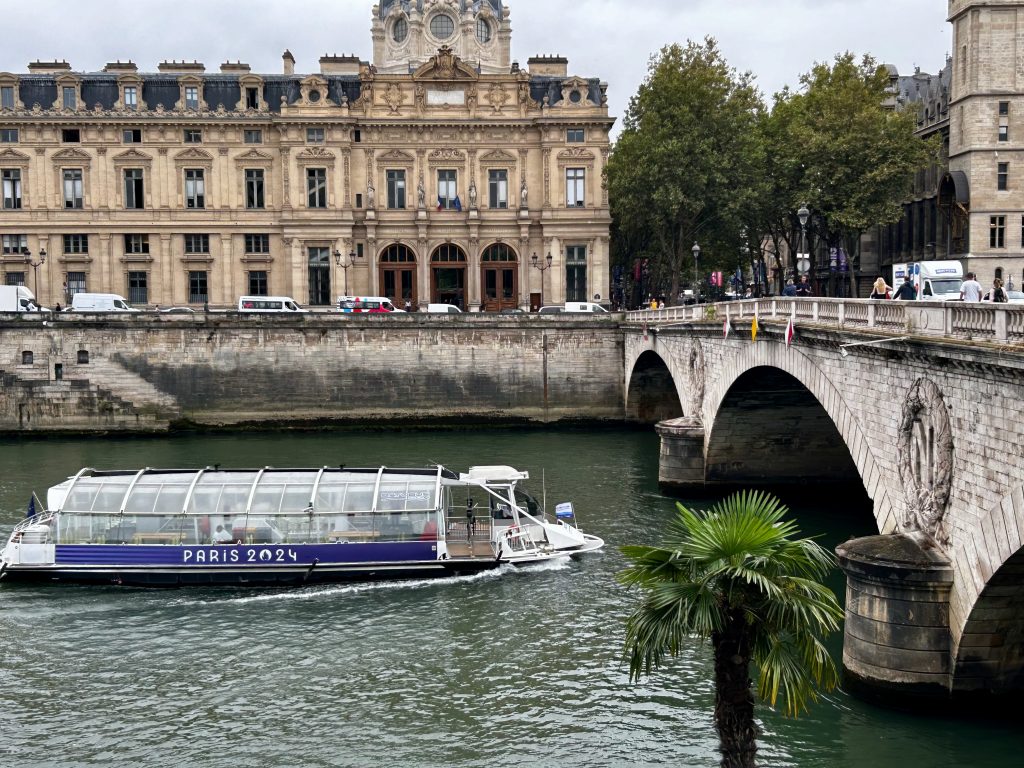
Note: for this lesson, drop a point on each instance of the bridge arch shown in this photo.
(652, 394)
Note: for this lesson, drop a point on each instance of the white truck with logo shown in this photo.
(934, 280)
(17, 298)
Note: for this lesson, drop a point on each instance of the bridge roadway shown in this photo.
(921, 403)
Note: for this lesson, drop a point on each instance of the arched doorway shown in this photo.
(499, 277)
(448, 276)
(398, 275)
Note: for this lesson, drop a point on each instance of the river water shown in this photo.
(522, 667)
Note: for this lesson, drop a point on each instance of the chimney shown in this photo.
(181, 67)
(121, 66)
(289, 62)
(234, 66)
(550, 66)
(48, 67)
(339, 65)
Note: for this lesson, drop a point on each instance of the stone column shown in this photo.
(681, 462)
(896, 640)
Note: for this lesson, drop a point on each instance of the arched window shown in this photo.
(498, 252)
(400, 30)
(397, 254)
(449, 253)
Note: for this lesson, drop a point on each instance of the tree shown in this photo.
(839, 146)
(687, 162)
(737, 576)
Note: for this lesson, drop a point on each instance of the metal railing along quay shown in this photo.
(982, 321)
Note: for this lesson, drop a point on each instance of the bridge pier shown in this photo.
(896, 643)
(681, 461)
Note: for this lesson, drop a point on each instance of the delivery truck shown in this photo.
(17, 298)
(934, 280)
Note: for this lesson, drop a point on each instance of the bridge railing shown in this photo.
(1001, 323)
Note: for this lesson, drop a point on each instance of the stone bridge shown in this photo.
(919, 403)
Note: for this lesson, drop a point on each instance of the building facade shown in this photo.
(440, 172)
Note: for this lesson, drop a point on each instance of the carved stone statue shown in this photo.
(370, 195)
(472, 193)
(523, 195)
(421, 97)
(421, 195)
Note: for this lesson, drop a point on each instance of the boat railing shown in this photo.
(40, 518)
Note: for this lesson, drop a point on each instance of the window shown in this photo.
(319, 276)
(134, 196)
(27, 357)
(72, 187)
(136, 244)
(1004, 109)
(576, 273)
(76, 284)
(131, 136)
(997, 232)
(314, 135)
(253, 188)
(252, 98)
(483, 31)
(70, 97)
(253, 137)
(197, 244)
(400, 31)
(76, 243)
(131, 97)
(1004, 133)
(258, 283)
(316, 187)
(257, 244)
(497, 186)
(14, 243)
(14, 278)
(447, 189)
(83, 354)
(193, 136)
(8, 135)
(396, 189)
(70, 135)
(357, 136)
(1002, 176)
(195, 188)
(575, 135)
(198, 287)
(138, 288)
(574, 179)
(7, 97)
(359, 199)
(442, 27)
(12, 188)
(191, 97)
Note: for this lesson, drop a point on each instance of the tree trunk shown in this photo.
(734, 701)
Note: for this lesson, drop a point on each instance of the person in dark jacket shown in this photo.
(790, 289)
(906, 291)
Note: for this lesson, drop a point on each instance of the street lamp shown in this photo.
(339, 260)
(803, 264)
(540, 264)
(696, 283)
(35, 267)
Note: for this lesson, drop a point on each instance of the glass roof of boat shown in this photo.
(214, 491)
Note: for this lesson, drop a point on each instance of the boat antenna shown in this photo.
(544, 493)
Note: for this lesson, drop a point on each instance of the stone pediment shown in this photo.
(445, 65)
(576, 154)
(132, 156)
(497, 156)
(254, 156)
(12, 157)
(396, 156)
(194, 155)
(314, 154)
(72, 155)
(447, 155)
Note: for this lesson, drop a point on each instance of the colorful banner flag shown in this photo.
(440, 203)
(31, 506)
(753, 329)
(726, 327)
(789, 332)
(458, 204)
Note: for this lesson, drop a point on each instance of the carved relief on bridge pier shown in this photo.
(925, 459)
(696, 365)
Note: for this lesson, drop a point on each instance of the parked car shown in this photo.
(512, 311)
(551, 309)
(1015, 297)
(445, 309)
(177, 311)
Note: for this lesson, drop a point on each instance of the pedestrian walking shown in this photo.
(803, 288)
(790, 289)
(997, 294)
(470, 518)
(880, 290)
(970, 289)
(906, 291)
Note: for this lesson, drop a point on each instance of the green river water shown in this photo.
(517, 667)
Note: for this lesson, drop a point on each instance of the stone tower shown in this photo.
(987, 132)
(406, 33)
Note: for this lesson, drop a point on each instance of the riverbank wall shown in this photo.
(144, 373)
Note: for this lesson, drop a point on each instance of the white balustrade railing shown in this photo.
(1001, 323)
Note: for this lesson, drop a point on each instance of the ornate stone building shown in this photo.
(440, 172)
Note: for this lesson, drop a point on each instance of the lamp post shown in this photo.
(803, 263)
(543, 267)
(1009, 283)
(696, 279)
(344, 265)
(35, 267)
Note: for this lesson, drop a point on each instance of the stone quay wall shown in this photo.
(148, 372)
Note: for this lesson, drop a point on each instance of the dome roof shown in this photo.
(474, 5)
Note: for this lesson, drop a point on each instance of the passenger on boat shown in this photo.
(470, 517)
(222, 536)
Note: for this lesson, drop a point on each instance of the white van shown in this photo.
(447, 309)
(934, 280)
(18, 298)
(100, 302)
(269, 304)
(367, 304)
(583, 306)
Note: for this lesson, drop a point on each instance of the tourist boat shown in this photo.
(270, 526)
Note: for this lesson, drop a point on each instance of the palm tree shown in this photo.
(737, 575)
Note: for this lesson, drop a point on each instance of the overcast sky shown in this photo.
(777, 40)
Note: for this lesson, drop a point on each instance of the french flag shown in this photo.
(789, 332)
